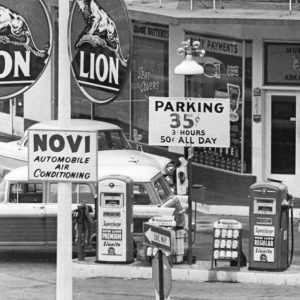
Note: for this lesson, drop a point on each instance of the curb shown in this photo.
(199, 272)
(232, 210)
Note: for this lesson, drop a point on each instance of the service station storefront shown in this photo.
(254, 63)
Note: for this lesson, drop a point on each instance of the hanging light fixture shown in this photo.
(189, 66)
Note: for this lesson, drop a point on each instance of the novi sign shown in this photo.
(62, 155)
(25, 44)
(100, 47)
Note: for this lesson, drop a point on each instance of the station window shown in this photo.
(227, 70)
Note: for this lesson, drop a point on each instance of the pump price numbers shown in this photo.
(199, 122)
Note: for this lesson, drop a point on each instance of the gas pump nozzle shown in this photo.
(285, 203)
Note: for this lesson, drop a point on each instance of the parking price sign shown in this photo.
(194, 122)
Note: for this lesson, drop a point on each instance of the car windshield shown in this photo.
(112, 140)
(140, 195)
(162, 189)
(24, 140)
(2, 191)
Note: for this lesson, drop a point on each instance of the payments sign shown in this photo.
(157, 237)
(62, 155)
(194, 122)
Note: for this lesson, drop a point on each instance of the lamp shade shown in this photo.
(188, 67)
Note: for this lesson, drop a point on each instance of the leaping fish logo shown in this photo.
(15, 30)
(100, 29)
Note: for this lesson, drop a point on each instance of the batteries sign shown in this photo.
(62, 155)
(198, 122)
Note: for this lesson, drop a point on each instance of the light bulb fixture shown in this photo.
(189, 66)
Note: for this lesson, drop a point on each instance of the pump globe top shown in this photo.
(188, 67)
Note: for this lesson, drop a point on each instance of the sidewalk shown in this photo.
(201, 271)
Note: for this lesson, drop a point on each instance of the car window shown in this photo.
(2, 191)
(26, 193)
(81, 193)
(162, 189)
(140, 195)
(112, 140)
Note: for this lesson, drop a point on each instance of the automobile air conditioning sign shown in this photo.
(100, 42)
(25, 44)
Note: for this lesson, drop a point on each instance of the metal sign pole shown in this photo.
(64, 215)
(161, 275)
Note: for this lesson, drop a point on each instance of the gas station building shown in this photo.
(252, 57)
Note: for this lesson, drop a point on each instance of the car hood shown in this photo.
(11, 149)
(126, 157)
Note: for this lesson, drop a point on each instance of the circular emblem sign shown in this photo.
(100, 47)
(25, 44)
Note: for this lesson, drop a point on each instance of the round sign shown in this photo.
(25, 44)
(100, 43)
(167, 274)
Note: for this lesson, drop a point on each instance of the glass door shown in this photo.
(282, 138)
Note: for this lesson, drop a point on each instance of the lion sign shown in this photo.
(98, 41)
(24, 48)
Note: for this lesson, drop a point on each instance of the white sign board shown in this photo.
(193, 122)
(62, 155)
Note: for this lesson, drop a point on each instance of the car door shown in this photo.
(22, 219)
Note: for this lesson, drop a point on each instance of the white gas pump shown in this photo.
(114, 220)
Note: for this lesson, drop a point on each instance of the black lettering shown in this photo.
(39, 143)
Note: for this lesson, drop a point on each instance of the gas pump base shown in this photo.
(267, 269)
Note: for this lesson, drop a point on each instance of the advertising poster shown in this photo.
(189, 122)
(100, 47)
(264, 243)
(64, 155)
(25, 44)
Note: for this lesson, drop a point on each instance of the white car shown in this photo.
(112, 144)
(28, 209)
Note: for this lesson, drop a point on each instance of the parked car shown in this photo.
(28, 209)
(113, 146)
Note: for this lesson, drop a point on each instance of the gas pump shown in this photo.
(114, 220)
(271, 210)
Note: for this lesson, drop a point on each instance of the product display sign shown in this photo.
(62, 155)
(282, 64)
(264, 243)
(25, 44)
(227, 240)
(199, 122)
(100, 47)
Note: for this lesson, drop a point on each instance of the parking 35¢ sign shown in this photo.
(198, 122)
(62, 155)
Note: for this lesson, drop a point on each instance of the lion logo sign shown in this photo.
(99, 65)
